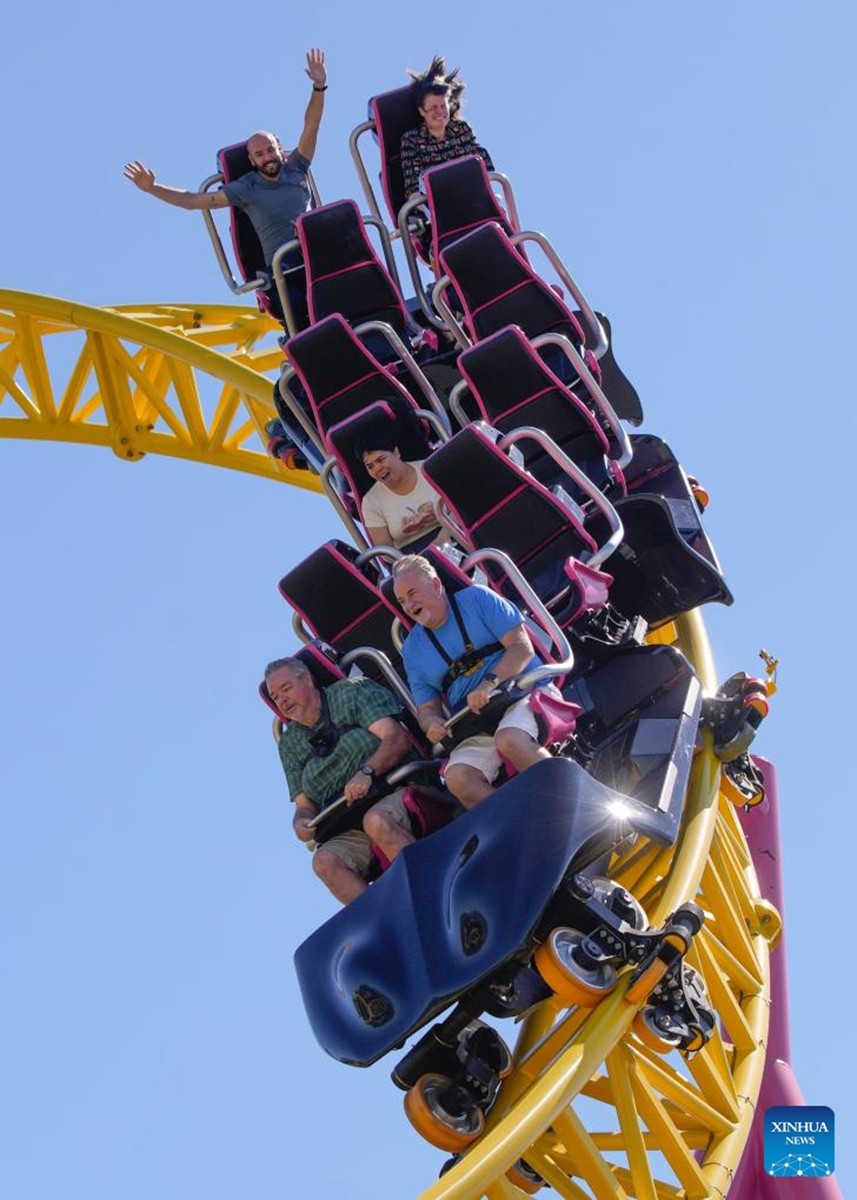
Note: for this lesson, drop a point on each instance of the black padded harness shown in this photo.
(472, 658)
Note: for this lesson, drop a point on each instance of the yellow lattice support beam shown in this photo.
(187, 381)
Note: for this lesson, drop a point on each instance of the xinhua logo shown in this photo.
(799, 1141)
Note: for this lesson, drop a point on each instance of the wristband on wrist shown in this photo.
(316, 88)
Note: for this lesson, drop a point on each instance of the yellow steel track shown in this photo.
(588, 1105)
(182, 380)
(591, 1108)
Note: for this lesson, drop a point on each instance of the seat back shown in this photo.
(341, 378)
(344, 274)
(393, 114)
(460, 199)
(512, 386)
(497, 287)
(340, 602)
(233, 162)
(497, 503)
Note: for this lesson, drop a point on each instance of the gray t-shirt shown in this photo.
(273, 205)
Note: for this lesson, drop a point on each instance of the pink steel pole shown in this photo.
(779, 1085)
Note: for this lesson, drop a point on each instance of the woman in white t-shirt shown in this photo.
(400, 509)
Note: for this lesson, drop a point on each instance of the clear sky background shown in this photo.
(694, 165)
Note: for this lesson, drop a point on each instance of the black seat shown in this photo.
(512, 386)
(336, 594)
(461, 199)
(493, 502)
(344, 274)
(412, 435)
(340, 378)
(233, 162)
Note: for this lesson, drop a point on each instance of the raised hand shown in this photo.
(315, 67)
(140, 176)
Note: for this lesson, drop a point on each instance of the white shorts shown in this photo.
(480, 751)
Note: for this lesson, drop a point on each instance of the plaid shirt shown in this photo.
(420, 150)
(358, 702)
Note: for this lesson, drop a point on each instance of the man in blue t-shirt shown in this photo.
(275, 193)
(462, 647)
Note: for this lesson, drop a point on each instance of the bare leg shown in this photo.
(468, 785)
(521, 750)
(386, 832)
(345, 884)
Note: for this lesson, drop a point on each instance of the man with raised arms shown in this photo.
(274, 193)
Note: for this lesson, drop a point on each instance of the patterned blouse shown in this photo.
(420, 150)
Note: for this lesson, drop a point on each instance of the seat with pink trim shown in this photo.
(511, 386)
(233, 162)
(494, 502)
(344, 272)
(340, 377)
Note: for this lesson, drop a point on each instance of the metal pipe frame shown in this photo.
(280, 282)
(531, 601)
(262, 280)
(339, 508)
(286, 374)
(592, 386)
(409, 363)
(450, 321)
(360, 166)
(391, 675)
(530, 235)
(238, 289)
(599, 500)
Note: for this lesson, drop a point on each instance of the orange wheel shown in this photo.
(759, 702)
(584, 986)
(425, 1111)
(700, 494)
(648, 1033)
(524, 1178)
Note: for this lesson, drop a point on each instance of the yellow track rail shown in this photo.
(180, 380)
(588, 1105)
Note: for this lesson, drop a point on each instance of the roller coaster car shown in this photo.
(491, 501)
(391, 115)
(458, 916)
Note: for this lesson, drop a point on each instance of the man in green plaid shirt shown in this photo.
(336, 739)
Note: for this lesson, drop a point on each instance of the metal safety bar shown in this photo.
(420, 200)
(597, 497)
(455, 328)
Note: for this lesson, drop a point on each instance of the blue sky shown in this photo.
(694, 167)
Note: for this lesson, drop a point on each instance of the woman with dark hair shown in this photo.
(400, 509)
(444, 134)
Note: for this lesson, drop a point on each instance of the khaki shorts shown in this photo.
(480, 751)
(355, 848)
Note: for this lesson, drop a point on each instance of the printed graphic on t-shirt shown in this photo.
(417, 521)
